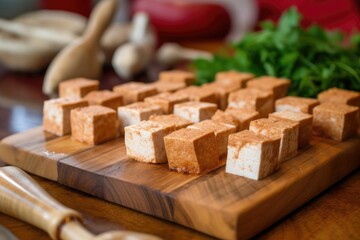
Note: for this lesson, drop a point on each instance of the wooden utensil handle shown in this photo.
(21, 197)
(100, 18)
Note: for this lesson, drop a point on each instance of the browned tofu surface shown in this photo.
(296, 104)
(166, 101)
(279, 86)
(77, 87)
(171, 119)
(335, 121)
(198, 94)
(135, 91)
(243, 116)
(191, 150)
(223, 117)
(94, 124)
(305, 124)
(253, 99)
(342, 96)
(105, 98)
(237, 79)
(177, 76)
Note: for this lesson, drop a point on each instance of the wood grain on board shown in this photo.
(216, 203)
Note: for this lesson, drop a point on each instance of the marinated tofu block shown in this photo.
(145, 141)
(223, 117)
(195, 111)
(221, 91)
(93, 124)
(253, 99)
(137, 112)
(335, 121)
(221, 130)
(56, 114)
(296, 104)
(191, 150)
(279, 86)
(252, 155)
(198, 94)
(243, 116)
(135, 91)
(166, 101)
(177, 76)
(286, 131)
(305, 124)
(342, 96)
(171, 87)
(171, 119)
(105, 98)
(237, 79)
(77, 87)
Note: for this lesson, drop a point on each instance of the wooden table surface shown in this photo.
(334, 214)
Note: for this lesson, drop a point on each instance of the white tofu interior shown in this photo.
(139, 145)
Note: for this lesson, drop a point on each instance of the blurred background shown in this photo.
(178, 20)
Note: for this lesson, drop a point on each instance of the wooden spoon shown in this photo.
(21, 197)
(82, 57)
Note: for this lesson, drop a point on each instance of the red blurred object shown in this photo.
(331, 14)
(82, 7)
(181, 20)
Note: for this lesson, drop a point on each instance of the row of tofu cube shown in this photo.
(254, 153)
(243, 105)
(158, 98)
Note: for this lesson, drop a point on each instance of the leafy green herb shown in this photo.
(313, 59)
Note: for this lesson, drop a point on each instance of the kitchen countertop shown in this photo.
(334, 214)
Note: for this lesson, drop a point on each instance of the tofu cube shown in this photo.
(191, 150)
(253, 99)
(93, 124)
(305, 124)
(221, 130)
(198, 94)
(335, 121)
(145, 141)
(137, 112)
(195, 111)
(171, 119)
(135, 91)
(221, 91)
(77, 87)
(252, 155)
(223, 117)
(243, 116)
(177, 76)
(171, 87)
(296, 104)
(286, 131)
(279, 86)
(56, 114)
(234, 78)
(105, 98)
(166, 101)
(342, 96)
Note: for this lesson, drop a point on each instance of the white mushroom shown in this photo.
(133, 57)
(171, 53)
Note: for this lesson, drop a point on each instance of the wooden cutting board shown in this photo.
(219, 204)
